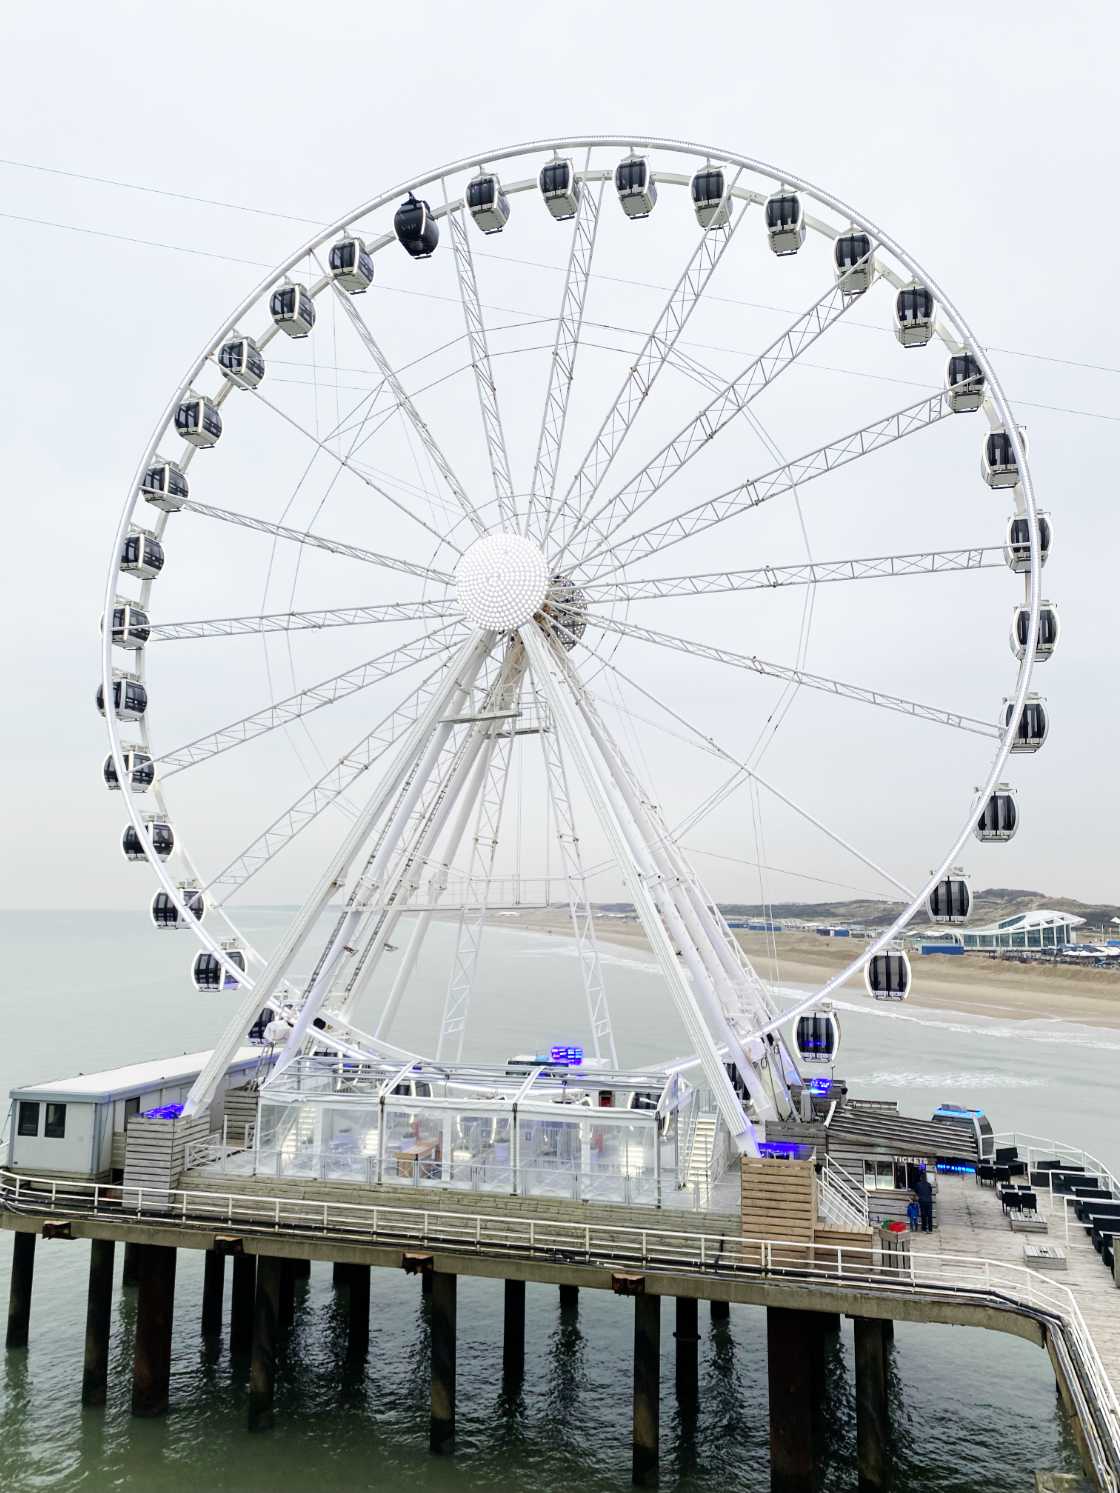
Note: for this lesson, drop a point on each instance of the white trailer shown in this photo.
(66, 1127)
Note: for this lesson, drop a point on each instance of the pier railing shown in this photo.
(990, 1282)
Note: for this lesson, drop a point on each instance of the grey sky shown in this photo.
(983, 141)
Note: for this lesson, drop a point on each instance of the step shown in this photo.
(1045, 1257)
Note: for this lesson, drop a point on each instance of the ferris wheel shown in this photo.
(559, 454)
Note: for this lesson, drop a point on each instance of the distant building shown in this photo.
(1040, 929)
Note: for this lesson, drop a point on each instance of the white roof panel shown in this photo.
(133, 1078)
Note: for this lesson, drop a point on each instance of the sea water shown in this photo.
(971, 1410)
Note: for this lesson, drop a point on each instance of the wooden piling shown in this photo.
(266, 1325)
(19, 1292)
(790, 1336)
(99, 1318)
(513, 1336)
(686, 1339)
(647, 1389)
(569, 1298)
(721, 1311)
(358, 1315)
(442, 1434)
(213, 1292)
(241, 1306)
(155, 1308)
(130, 1270)
(872, 1420)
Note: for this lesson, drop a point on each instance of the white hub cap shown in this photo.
(502, 581)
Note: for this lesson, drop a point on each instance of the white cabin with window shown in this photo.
(67, 1127)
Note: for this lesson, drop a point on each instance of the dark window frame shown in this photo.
(54, 1126)
(27, 1109)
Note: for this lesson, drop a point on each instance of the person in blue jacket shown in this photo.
(913, 1213)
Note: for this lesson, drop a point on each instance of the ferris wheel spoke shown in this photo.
(304, 702)
(812, 573)
(408, 409)
(757, 490)
(642, 374)
(225, 627)
(480, 359)
(316, 541)
(743, 771)
(735, 396)
(358, 471)
(800, 677)
(561, 371)
(335, 782)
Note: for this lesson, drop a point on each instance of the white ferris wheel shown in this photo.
(487, 421)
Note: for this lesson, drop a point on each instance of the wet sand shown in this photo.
(971, 983)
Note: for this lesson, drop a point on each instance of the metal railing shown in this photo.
(997, 1283)
(839, 1199)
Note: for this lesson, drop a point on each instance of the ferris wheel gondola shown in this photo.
(817, 1036)
(527, 590)
(165, 911)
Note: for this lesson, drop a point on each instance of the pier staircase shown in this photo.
(697, 1170)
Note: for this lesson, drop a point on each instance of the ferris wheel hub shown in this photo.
(502, 581)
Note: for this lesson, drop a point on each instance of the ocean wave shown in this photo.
(961, 1080)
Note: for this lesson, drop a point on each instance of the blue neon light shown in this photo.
(569, 1057)
(821, 1085)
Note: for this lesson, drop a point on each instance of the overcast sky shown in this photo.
(983, 139)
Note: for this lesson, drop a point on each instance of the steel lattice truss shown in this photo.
(520, 550)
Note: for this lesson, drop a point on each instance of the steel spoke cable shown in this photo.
(743, 771)
(733, 398)
(837, 687)
(315, 697)
(758, 490)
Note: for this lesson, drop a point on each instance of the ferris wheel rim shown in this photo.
(779, 176)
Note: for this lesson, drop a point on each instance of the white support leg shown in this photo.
(259, 993)
(583, 924)
(341, 947)
(662, 924)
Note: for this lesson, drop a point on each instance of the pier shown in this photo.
(969, 1272)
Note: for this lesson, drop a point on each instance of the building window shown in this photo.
(55, 1128)
(878, 1176)
(28, 1123)
(131, 1107)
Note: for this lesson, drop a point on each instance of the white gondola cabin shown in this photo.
(950, 900)
(1017, 546)
(964, 383)
(887, 975)
(487, 204)
(854, 262)
(560, 188)
(139, 770)
(164, 485)
(1049, 630)
(999, 818)
(417, 231)
(130, 625)
(711, 196)
(241, 362)
(998, 465)
(158, 834)
(198, 421)
(130, 698)
(141, 555)
(351, 265)
(165, 910)
(209, 973)
(1032, 726)
(913, 315)
(292, 309)
(785, 222)
(636, 188)
(817, 1037)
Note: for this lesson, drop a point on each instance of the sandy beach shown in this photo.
(971, 983)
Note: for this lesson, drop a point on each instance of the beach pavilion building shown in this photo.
(1039, 929)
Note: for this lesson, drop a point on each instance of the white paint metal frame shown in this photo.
(712, 984)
